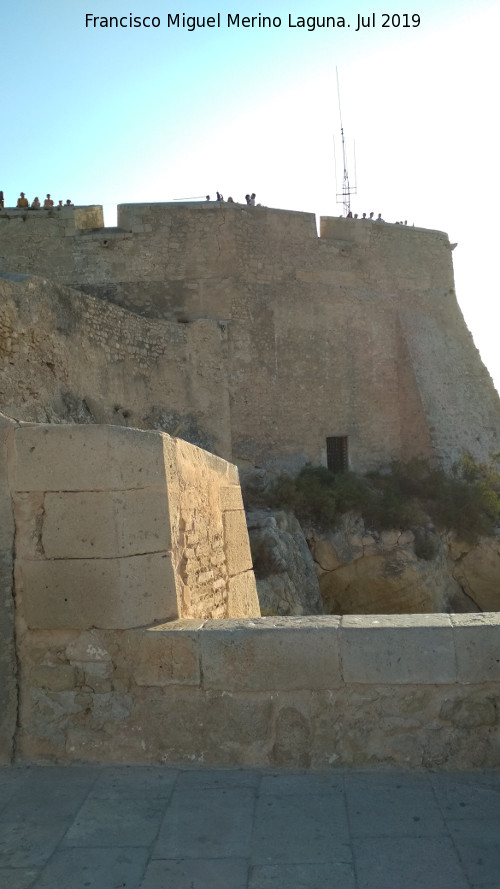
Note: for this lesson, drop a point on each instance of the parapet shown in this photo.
(359, 231)
(306, 692)
(156, 216)
(71, 219)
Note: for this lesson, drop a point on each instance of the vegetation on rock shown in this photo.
(466, 501)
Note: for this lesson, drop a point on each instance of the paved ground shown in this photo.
(164, 828)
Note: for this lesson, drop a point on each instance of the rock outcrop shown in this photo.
(283, 565)
(386, 572)
(355, 570)
(477, 570)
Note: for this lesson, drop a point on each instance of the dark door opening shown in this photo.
(336, 453)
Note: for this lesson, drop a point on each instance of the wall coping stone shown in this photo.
(327, 651)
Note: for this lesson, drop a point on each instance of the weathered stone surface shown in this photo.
(477, 570)
(6, 517)
(408, 649)
(477, 646)
(469, 713)
(284, 570)
(28, 513)
(105, 524)
(117, 548)
(381, 573)
(163, 658)
(303, 653)
(115, 593)
(292, 744)
(8, 660)
(86, 458)
(238, 556)
(242, 596)
(230, 497)
(202, 693)
(210, 545)
(54, 677)
(87, 648)
(70, 365)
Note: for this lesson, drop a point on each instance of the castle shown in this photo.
(241, 330)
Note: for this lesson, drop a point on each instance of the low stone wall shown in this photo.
(319, 692)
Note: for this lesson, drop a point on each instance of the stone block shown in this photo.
(8, 660)
(88, 648)
(469, 713)
(159, 657)
(477, 646)
(230, 497)
(53, 677)
(6, 518)
(86, 217)
(397, 649)
(236, 545)
(87, 458)
(270, 655)
(28, 515)
(105, 524)
(183, 623)
(102, 593)
(6, 431)
(243, 600)
(191, 726)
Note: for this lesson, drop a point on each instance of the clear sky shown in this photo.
(107, 116)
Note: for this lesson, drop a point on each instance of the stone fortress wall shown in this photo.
(69, 357)
(268, 338)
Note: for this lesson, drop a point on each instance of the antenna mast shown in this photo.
(344, 196)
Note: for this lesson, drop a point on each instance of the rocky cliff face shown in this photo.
(283, 565)
(477, 571)
(358, 571)
(390, 572)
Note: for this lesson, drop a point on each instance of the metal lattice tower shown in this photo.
(343, 196)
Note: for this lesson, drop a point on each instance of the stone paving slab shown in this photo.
(403, 808)
(135, 827)
(408, 863)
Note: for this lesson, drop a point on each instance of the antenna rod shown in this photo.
(346, 188)
(338, 96)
